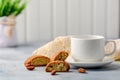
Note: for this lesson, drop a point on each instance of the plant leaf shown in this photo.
(21, 8)
(11, 7)
(3, 8)
(1, 1)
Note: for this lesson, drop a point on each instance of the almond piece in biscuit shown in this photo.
(61, 55)
(37, 61)
(58, 66)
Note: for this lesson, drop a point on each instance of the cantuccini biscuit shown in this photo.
(58, 66)
(37, 61)
(61, 55)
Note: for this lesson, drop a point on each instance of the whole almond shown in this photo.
(53, 72)
(81, 70)
(27, 65)
(30, 67)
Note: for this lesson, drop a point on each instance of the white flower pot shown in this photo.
(5, 40)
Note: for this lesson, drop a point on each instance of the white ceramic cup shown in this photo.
(89, 47)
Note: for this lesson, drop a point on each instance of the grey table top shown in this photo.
(12, 68)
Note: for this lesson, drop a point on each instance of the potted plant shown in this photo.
(9, 10)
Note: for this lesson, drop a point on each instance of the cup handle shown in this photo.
(114, 48)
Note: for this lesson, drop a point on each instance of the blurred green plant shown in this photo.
(12, 7)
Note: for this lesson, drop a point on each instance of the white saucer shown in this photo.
(105, 61)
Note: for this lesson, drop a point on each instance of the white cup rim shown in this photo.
(87, 37)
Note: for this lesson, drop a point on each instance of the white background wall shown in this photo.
(46, 19)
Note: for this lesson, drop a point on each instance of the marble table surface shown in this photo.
(12, 67)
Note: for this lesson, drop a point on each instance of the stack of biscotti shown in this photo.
(57, 62)
(61, 43)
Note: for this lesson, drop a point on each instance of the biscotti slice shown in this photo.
(58, 66)
(37, 61)
(61, 55)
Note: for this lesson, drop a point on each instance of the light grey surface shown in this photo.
(12, 68)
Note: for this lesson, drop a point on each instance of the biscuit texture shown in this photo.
(58, 66)
(37, 61)
(61, 55)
